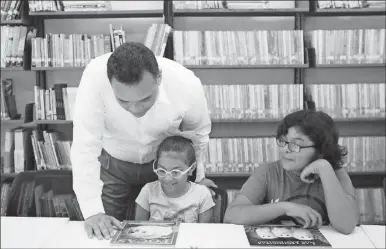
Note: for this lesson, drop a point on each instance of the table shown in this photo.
(28, 232)
(376, 234)
(21, 232)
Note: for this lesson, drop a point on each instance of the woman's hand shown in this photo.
(304, 214)
(312, 171)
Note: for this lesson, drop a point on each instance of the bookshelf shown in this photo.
(306, 16)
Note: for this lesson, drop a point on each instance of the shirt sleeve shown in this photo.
(255, 188)
(143, 198)
(197, 120)
(206, 200)
(88, 121)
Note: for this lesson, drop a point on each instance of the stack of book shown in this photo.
(251, 102)
(323, 4)
(156, 38)
(353, 46)
(55, 103)
(35, 6)
(358, 100)
(74, 50)
(13, 41)
(258, 47)
(10, 9)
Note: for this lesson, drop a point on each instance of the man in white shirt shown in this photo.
(127, 102)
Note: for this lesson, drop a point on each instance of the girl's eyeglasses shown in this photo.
(175, 173)
(291, 146)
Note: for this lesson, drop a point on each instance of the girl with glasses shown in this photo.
(307, 186)
(173, 196)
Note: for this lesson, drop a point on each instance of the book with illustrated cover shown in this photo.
(283, 235)
(158, 233)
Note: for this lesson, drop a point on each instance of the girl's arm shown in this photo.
(205, 217)
(141, 213)
(339, 193)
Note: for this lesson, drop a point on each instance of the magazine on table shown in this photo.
(157, 233)
(284, 235)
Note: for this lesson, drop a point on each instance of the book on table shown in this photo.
(284, 235)
(158, 233)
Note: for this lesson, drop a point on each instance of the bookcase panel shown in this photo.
(234, 23)
(344, 22)
(23, 85)
(245, 76)
(344, 75)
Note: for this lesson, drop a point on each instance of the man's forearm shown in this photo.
(254, 214)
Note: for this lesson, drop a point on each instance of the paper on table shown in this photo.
(376, 235)
(357, 239)
(199, 235)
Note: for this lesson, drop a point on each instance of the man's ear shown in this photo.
(194, 166)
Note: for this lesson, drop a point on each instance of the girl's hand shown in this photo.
(311, 172)
(304, 214)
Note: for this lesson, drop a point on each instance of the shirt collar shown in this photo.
(162, 94)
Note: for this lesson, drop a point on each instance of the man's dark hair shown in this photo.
(321, 129)
(128, 62)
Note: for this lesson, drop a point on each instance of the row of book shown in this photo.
(188, 5)
(249, 102)
(238, 47)
(58, 5)
(76, 50)
(13, 41)
(349, 4)
(10, 9)
(353, 46)
(56, 103)
(8, 101)
(241, 155)
(349, 100)
(45, 149)
(371, 202)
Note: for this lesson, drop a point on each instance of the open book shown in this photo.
(282, 235)
(147, 233)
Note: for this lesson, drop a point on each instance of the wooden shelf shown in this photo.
(273, 66)
(97, 14)
(12, 122)
(348, 12)
(56, 68)
(239, 12)
(12, 69)
(350, 65)
(15, 22)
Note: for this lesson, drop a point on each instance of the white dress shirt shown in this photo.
(100, 122)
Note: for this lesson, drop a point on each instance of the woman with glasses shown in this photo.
(307, 186)
(173, 196)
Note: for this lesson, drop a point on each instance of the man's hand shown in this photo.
(208, 183)
(101, 225)
(304, 214)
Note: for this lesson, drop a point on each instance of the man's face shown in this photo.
(136, 98)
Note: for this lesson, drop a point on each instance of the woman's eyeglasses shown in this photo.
(291, 146)
(175, 173)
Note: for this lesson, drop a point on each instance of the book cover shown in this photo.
(159, 233)
(282, 235)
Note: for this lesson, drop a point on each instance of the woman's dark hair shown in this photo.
(178, 144)
(128, 62)
(321, 129)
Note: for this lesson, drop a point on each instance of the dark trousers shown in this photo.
(122, 182)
